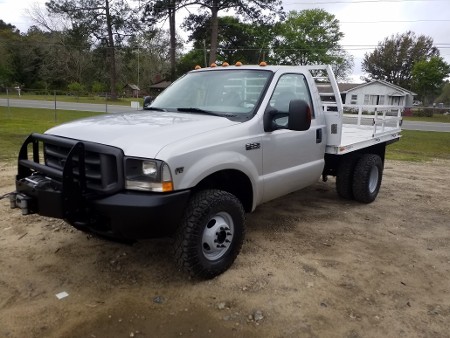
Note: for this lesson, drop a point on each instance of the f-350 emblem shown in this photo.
(251, 146)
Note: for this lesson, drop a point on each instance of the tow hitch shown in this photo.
(21, 201)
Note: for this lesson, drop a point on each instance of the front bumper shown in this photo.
(124, 215)
(82, 183)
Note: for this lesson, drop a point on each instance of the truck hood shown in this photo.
(141, 134)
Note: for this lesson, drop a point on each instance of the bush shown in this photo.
(98, 87)
(75, 88)
(424, 112)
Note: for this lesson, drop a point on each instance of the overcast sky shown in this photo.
(364, 22)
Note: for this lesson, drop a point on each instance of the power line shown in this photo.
(355, 2)
(394, 21)
(441, 45)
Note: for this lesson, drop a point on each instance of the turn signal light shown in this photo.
(167, 186)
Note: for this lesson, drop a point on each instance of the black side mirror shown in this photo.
(147, 101)
(299, 115)
(298, 118)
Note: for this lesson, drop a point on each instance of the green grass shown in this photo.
(67, 98)
(420, 146)
(435, 118)
(17, 123)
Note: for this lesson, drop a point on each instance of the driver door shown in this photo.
(291, 159)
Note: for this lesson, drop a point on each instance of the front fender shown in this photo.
(212, 163)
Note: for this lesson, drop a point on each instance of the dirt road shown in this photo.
(312, 265)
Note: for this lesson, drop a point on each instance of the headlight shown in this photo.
(149, 168)
(148, 175)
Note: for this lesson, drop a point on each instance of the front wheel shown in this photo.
(367, 178)
(211, 234)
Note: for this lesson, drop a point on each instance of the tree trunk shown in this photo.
(111, 53)
(214, 31)
(173, 41)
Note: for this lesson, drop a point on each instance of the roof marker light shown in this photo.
(225, 64)
(213, 65)
(198, 67)
(263, 64)
(238, 64)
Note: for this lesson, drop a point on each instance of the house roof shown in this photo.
(402, 91)
(131, 86)
(345, 87)
(161, 85)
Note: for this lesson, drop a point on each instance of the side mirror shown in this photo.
(147, 101)
(298, 117)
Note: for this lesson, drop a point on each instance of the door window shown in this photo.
(290, 87)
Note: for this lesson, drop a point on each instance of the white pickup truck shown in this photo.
(217, 143)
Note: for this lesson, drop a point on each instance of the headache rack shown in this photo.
(353, 127)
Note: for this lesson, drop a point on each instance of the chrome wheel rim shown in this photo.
(373, 179)
(217, 236)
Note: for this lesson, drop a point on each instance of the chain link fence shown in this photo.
(68, 100)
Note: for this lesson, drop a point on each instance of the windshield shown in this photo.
(230, 93)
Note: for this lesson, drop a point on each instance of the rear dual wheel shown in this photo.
(344, 176)
(367, 178)
(359, 177)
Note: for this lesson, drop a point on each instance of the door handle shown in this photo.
(319, 135)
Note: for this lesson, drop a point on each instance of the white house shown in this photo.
(376, 92)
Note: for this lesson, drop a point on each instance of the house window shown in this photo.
(395, 101)
(354, 99)
(381, 100)
(370, 99)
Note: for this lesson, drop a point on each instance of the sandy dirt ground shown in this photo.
(312, 265)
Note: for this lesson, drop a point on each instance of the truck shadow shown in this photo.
(152, 260)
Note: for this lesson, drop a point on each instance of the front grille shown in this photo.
(101, 166)
(90, 166)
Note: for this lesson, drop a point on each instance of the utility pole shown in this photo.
(138, 48)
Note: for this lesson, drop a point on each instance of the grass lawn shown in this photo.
(436, 118)
(17, 123)
(67, 98)
(420, 146)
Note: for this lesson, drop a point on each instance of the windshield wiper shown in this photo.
(202, 111)
(155, 108)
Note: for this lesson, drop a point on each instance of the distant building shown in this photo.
(131, 90)
(160, 86)
(376, 92)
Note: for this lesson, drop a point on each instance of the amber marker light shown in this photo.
(263, 64)
(225, 64)
(167, 186)
(238, 64)
(213, 65)
(198, 67)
